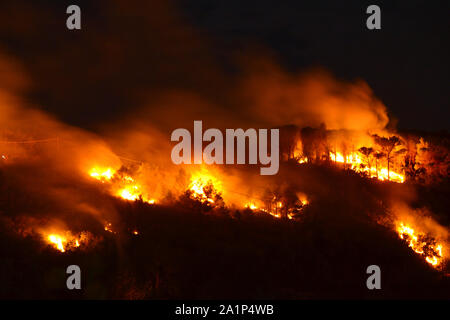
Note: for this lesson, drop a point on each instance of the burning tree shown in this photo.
(286, 204)
(421, 243)
(387, 146)
(367, 153)
(204, 192)
(354, 150)
(377, 156)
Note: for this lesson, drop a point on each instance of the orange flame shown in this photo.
(200, 184)
(124, 187)
(66, 241)
(357, 165)
(421, 244)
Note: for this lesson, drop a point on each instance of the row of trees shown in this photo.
(419, 160)
(386, 150)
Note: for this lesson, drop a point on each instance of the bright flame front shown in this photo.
(421, 244)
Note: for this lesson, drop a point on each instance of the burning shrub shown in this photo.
(203, 193)
(121, 183)
(421, 243)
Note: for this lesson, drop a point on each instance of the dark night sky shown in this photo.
(99, 73)
(406, 63)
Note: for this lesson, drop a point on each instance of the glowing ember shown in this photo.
(276, 207)
(108, 227)
(273, 214)
(421, 244)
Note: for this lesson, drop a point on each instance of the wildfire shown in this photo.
(57, 241)
(302, 159)
(67, 241)
(422, 244)
(129, 193)
(273, 213)
(102, 174)
(122, 186)
(251, 206)
(205, 188)
(275, 207)
(356, 164)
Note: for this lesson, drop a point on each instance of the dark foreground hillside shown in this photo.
(183, 253)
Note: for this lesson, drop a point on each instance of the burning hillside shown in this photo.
(122, 185)
(383, 156)
(422, 244)
(123, 199)
(308, 215)
(97, 186)
(215, 190)
(66, 241)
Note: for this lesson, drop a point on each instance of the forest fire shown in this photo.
(220, 150)
(277, 209)
(102, 174)
(356, 164)
(204, 188)
(57, 241)
(274, 213)
(122, 185)
(386, 158)
(66, 241)
(209, 190)
(422, 244)
(294, 198)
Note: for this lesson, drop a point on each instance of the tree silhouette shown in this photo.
(367, 152)
(378, 156)
(387, 146)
